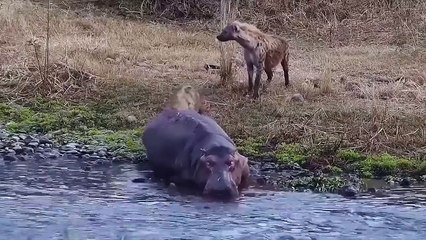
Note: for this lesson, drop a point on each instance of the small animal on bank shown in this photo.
(192, 150)
(188, 97)
(261, 50)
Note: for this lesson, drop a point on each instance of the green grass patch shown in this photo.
(378, 166)
(73, 123)
(385, 165)
(45, 116)
(319, 183)
(350, 155)
(254, 147)
(291, 153)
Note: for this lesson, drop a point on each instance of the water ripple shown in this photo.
(58, 200)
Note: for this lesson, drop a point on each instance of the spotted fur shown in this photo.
(261, 50)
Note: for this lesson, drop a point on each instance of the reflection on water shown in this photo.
(59, 200)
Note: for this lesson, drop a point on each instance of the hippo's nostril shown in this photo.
(219, 193)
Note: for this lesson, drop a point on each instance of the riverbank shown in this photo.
(362, 111)
(50, 129)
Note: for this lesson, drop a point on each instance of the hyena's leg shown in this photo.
(284, 64)
(259, 69)
(250, 72)
(269, 74)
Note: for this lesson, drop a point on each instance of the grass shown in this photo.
(74, 123)
(366, 97)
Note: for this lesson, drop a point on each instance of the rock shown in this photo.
(139, 180)
(72, 146)
(18, 144)
(11, 151)
(423, 178)
(33, 144)
(250, 194)
(87, 151)
(22, 158)
(39, 149)
(39, 156)
(50, 155)
(261, 180)
(18, 149)
(371, 190)
(103, 149)
(348, 191)
(109, 60)
(28, 150)
(93, 158)
(406, 182)
(297, 98)
(10, 157)
(102, 153)
(72, 152)
(131, 119)
(15, 138)
(102, 162)
(45, 140)
(29, 139)
(3, 135)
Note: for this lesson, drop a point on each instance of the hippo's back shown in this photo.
(171, 133)
(165, 136)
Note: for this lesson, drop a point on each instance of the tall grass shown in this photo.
(227, 14)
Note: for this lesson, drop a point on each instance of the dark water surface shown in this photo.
(56, 199)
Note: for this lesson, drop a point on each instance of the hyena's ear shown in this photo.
(188, 89)
(236, 28)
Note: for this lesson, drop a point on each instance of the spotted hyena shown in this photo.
(261, 50)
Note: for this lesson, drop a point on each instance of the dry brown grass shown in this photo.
(373, 97)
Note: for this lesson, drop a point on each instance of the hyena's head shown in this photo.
(230, 32)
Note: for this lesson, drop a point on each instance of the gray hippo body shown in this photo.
(189, 148)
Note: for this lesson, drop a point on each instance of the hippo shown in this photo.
(191, 149)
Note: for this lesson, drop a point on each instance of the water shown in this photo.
(59, 200)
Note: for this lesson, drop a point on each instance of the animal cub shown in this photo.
(188, 97)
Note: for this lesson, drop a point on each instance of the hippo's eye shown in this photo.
(231, 165)
(210, 163)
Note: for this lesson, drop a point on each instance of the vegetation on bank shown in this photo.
(68, 123)
(91, 125)
(337, 160)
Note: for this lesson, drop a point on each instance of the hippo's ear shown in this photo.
(242, 160)
(203, 154)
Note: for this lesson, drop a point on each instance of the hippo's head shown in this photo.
(224, 174)
(230, 32)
